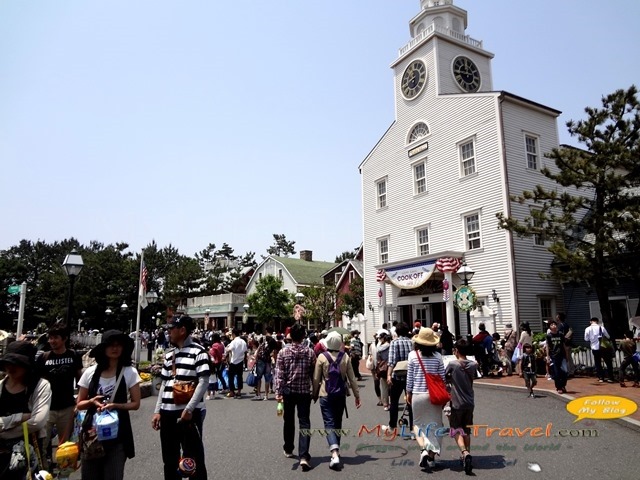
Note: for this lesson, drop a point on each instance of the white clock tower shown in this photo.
(431, 187)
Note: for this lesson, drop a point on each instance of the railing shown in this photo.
(440, 29)
(584, 360)
(88, 341)
(223, 299)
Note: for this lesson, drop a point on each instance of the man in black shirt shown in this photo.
(60, 367)
(556, 354)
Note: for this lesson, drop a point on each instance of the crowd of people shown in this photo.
(298, 368)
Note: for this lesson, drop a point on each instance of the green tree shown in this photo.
(319, 303)
(346, 255)
(592, 235)
(183, 280)
(353, 300)
(282, 247)
(269, 301)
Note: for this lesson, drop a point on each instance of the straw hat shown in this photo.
(427, 337)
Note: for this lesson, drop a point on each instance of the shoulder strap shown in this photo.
(115, 390)
(424, 370)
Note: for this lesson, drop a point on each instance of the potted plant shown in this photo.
(156, 381)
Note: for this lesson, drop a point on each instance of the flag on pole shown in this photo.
(142, 293)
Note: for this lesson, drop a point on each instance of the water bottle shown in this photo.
(280, 409)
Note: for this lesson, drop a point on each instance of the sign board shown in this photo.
(13, 289)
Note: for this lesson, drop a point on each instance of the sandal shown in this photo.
(386, 408)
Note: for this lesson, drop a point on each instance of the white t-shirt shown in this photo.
(106, 385)
(237, 347)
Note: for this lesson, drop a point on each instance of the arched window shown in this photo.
(419, 131)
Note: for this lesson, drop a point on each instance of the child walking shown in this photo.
(528, 365)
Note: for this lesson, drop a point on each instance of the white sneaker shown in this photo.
(334, 463)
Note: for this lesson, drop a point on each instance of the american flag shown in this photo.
(381, 276)
(142, 293)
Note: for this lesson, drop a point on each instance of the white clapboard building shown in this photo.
(432, 185)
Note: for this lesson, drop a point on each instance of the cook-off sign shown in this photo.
(410, 276)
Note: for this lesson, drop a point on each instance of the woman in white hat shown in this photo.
(427, 418)
(333, 404)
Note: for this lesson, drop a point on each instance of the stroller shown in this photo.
(400, 370)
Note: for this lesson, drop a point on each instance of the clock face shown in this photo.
(414, 79)
(466, 74)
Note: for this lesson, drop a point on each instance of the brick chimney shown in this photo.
(306, 255)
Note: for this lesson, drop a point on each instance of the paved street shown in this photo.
(244, 438)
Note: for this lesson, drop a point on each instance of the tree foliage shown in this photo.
(346, 255)
(353, 300)
(281, 247)
(593, 234)
(319, 303)
(108, 280)
(269, 300)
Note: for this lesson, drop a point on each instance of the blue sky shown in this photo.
(200, 122)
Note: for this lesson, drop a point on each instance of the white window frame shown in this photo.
(532, 157)
(416, 180)
(413, 128)
(383, 250)
(477, 234)
(381, 199)
(471, 168)
(538, 240)
(336, 277)
(352, 275)
(552, 307)
(419, 245)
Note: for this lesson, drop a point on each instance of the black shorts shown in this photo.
(461, 418)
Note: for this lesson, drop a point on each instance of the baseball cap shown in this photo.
(182, 321)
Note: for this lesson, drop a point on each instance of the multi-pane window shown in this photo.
(420, 130)
(383, 249)
(468, 158)
(472, 231)
(423, 241)
(420, 177)
(546, 308)
(531, 146)
(381, 186)
(538, 238)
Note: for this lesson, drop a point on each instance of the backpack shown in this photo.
(335, 384)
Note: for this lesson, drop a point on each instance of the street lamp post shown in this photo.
(466, 274)
(81, 320)
(72, 266)
(123, 308)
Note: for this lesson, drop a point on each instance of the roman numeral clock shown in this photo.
(466, 74)
(413, 79)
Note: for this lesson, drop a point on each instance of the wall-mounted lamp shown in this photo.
(495, 297)
(370, 307)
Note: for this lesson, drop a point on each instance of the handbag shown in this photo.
(605, 343)
(381, 368)
(438, 394)
(91, 447)
(517, 354)
(369, 363)
(182, 390)
(252, 379)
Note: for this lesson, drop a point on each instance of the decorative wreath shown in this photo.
(465, 298)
